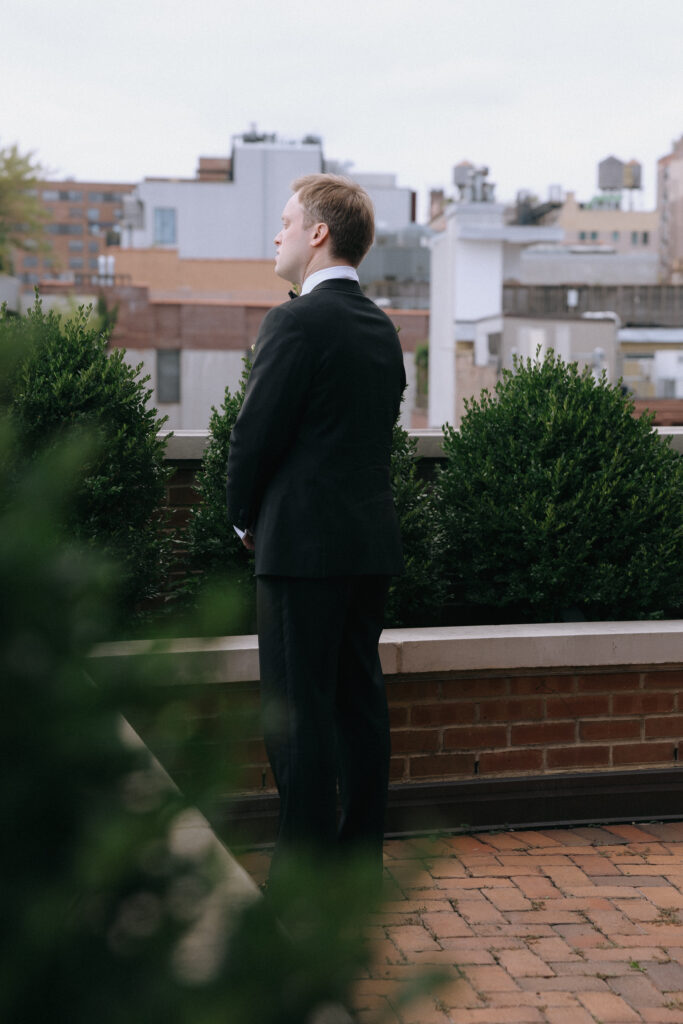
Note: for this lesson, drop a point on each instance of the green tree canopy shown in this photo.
(22, 215)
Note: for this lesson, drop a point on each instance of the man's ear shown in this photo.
(321, 234)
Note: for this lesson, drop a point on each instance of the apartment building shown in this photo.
(603, 221)
(83, 223)
(605, 242)
(670, 210)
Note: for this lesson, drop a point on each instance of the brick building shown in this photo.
(83, 219)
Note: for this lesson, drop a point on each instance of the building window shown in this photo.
(30, 261)
(615, 236)
(164, 225)
(646, 237)
(50, 195)
(76, 263)
(594, 236)
(93, 247)
(582, 236)
(168, 375)
(92, 263)
(93, 213)
(64, 229)
(105, 197)
(75, 246)
(634, 238)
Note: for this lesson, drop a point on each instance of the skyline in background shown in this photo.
(539, 92)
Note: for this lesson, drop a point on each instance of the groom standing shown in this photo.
(309, 483)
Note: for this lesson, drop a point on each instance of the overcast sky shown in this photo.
(538, 90)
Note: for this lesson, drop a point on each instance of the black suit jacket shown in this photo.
(308, 470)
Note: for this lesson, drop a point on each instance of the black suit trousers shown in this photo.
(325, 718)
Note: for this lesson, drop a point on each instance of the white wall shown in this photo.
(442, 333)
(263, 174)
(204, 376)
(239, 219)
(579, 341)
(668, 367)
(478, 277)
(393, 204)
(491, 325)
(559, 266)
(234, 219)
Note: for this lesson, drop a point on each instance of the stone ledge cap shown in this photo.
(535, 646)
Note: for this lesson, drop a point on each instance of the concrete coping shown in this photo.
(189, 445)
(556, 646)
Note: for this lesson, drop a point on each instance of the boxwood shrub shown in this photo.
(557, 503)
(217, 559)
(68, 380)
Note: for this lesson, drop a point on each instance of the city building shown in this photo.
(82, 226)
(645, 350)
(670, 209)
(396, 271)
(603, 221)
(193, 274)
(471, 258)
(604, 240)
(232, 208)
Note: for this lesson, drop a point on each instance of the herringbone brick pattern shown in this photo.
(557, 926)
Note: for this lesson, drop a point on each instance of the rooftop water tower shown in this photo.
(616, 176)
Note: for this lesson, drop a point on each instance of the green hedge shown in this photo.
(557, 503)
(66, 380)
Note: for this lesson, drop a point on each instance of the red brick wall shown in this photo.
(462, 728)
(181, 494)
(452, 728)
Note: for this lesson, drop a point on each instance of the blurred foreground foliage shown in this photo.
(110, 911)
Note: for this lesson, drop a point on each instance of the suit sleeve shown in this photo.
(266, 425)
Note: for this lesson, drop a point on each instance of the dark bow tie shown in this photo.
(293, 295)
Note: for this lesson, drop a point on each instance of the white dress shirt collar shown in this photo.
(328, 274)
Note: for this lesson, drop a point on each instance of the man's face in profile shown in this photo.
(292, 243)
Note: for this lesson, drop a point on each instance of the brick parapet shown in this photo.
(464, 724)
(531, 724)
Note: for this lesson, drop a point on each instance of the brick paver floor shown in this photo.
(564, 926)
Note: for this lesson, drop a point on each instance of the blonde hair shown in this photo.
(344, 207)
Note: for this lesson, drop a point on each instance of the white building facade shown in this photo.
(237, 219)
(470, 260)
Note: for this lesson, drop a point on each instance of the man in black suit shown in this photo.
(309, 484)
